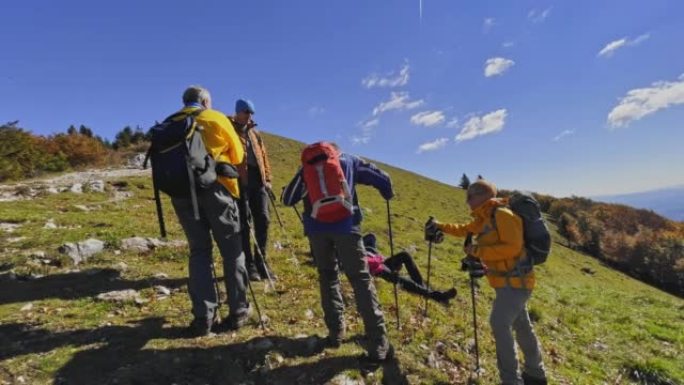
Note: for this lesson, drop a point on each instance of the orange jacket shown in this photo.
(260, 153)
(499, 248)
(222, 143)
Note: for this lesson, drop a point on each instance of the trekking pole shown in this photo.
(160, 213)
(298, 214)
(391, 239)
(477, 348)
(256, 304)
(271, 196)
(468, 241)
(216, 289)
(425, 312)
(265, 266)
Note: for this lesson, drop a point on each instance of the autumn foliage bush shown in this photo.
(24, 155)
(638, 242)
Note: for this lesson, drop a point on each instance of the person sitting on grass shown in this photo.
(388, 269)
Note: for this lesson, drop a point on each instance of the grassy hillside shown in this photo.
(596, 325)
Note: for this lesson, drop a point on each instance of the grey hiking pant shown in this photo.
(219, 217)
(350, 250)
(509, 311)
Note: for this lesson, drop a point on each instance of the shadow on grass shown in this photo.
(119, 357)
(80, 284)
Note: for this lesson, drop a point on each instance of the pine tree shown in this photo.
(465, 182)
(85, 131)
(123, 138)
(72, 130)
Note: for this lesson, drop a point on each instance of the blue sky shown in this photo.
(566, 97)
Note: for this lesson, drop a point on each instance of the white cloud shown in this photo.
(453, 123)
(367, 130)
(563, 135)
(538, 16)
(497, 66)
(397, 101)
(487, 124)
(508, 44)
(363, 139)
(428, 118)
(369, 123)
(391, 79)
(316, 111)
(640, 102)
(609, 49)
(434, 145)
(487, 24)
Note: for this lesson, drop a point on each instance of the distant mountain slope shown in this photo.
(668, 202)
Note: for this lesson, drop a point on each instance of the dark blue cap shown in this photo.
(244, 105)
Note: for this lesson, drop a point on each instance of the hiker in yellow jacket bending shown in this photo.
(499, 246)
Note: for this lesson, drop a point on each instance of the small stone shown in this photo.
(432, 361)
(121, 266)
(52, 190)
(95, 186)
(440, 347)
(21, 380)
(76, 188)
(309, 314)
(50, 224)
(81, 251)
(82, 207)
(119, 296)
(162, 290)
(138, 244)
(27, 307)
(161, 276)
(343, 379)
(9, 227)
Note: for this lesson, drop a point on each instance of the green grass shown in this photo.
(594, 329)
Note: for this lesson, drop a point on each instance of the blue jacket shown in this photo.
(356, 171)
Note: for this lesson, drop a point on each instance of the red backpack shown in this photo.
(326, 186)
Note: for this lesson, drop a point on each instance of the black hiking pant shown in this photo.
(414, 284)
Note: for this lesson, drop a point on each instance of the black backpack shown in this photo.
(180, 160)
(535, 232)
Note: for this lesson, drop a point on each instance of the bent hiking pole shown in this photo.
(271, 196)
(256, 305)
(391, 239)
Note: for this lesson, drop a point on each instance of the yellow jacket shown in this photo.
(499, 248)
(222, 143)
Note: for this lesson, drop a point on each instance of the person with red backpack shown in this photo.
(332, 218)
(502, 252)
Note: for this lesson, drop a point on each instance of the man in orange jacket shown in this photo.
(500, 248)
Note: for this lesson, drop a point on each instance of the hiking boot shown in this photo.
(199, 327)
(234, 322)
(331, 341)
(369, 364)
(253, 273)
(529, 380)
(443, 297)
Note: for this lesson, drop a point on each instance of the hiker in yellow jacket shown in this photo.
(218, 218)
(499, 246)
